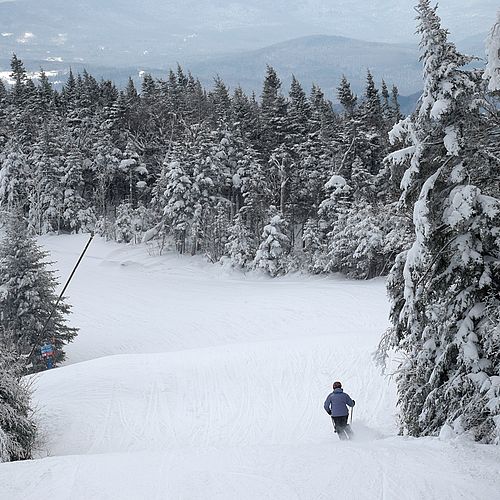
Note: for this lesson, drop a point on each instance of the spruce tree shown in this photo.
(17, 427)
(45, 97)
(240, 247)
(492, 72)
(395, 107)
(29, 315)
(14, 179)
(179, 202)
(130, 91)
(221, 102)
(371, 106)
(445, 290)
(245, 115)
(275, 246)
(20, 77)
(346, 97)
(298, 114)
(273, 113)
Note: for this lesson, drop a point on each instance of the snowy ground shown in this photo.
(189, 381)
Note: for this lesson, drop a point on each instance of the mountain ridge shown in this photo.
(152, 32)
(318, 59)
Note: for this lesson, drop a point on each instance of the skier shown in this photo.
(336, 406)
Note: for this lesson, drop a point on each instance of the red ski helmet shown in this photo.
(337, 385)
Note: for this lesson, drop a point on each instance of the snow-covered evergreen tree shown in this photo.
(76, 212)
(124, 223)
(346, 97)
(355, 243)
(492, 72)
(445, 289)
(315, 245)
(273, 112)
(28, 298)
(179, 207)
(273, 251)
(135, 171)
(216, 231)
(17, 426)
(240, 247)
(13, 178)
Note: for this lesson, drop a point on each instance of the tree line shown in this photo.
(281, 183)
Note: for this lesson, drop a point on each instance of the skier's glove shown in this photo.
(353, 402)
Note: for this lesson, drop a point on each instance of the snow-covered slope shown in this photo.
(189, 381)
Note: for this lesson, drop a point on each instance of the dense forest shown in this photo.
(279, 183)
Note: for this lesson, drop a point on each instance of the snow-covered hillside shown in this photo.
(189, 381)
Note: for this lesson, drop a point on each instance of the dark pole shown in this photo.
(62, 293)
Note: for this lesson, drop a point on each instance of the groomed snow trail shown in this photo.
(188, 381)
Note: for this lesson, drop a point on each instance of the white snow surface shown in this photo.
(191, 381)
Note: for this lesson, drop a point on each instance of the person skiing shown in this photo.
(336, 406)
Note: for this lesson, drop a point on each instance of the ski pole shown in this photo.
(352, 411)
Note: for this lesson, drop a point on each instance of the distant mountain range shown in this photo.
(156, 33)
(321, 60)
(117, 38)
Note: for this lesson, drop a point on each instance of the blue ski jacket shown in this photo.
(336, 403)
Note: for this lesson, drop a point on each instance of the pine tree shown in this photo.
(251, 181)
(76, 214)
(371, 131)
(105, 166)
(149, 88)
(17, 426)
(29, 298)
(179, 207)
(215, 234)
(130, 91)
(20, 77)
(323, 118)
(14, 177)
(273, 251)
(371, 106)
(44, 190)
(134, 171)
(245, 116)
(124, 223)
(45, 94)
(395, 107)
(69, 90)
(355, 243)
(492, 72)
(315, 249)
(346, 97)
(229, 153)
(240, 247)
(445, 290)
(221, 102)
(299, 114)
(273, 113)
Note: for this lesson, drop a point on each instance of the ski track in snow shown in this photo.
(188, 381)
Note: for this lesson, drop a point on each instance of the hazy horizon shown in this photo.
(235, 39)
(157, 32)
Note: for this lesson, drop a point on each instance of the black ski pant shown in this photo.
(341, 426)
